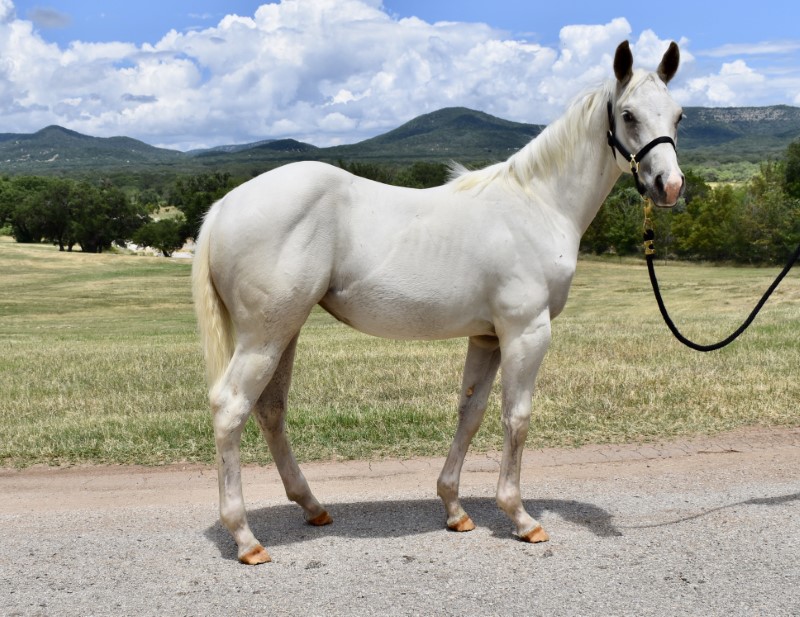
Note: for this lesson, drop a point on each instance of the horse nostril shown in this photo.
(660, 183)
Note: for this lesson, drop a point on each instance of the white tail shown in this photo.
(213, 320)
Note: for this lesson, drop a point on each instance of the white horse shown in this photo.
(489, 256)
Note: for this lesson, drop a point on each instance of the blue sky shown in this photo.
(198, 73)
(708, 24)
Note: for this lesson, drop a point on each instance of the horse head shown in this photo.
(643, 129)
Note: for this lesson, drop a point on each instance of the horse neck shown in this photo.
(570, 162)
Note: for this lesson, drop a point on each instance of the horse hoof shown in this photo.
(255, 556)
(537, 534)
(463, 524)
(321, 519)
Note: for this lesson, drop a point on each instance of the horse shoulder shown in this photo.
(534, 257)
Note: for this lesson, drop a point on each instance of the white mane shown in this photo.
(552, 149)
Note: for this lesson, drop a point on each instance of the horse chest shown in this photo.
(562, 270)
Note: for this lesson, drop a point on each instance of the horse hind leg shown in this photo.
(480, 368)
(270, 412)
(232, 399)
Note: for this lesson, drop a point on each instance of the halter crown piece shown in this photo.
(634, 159)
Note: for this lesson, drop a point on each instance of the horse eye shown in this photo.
(628, 116)
(681, 117)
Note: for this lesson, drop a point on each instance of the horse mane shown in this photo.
(549, 151)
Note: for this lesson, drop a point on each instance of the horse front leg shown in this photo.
(522, 355)
(480, 368)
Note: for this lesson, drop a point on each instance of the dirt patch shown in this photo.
(42, 489)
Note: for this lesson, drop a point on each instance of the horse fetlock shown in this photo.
(509, 501)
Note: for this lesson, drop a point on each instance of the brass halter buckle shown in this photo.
(634, 164)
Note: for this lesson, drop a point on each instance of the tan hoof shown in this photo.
(255, 556)
(537, 534)
(321, 519)
(463, 524)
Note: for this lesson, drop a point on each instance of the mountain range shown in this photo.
(706, 135)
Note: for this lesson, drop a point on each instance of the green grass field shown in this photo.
(99, 363)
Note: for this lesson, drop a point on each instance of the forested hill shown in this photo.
(450, 133)
(706, 135)
(738, 133)
(62, 150)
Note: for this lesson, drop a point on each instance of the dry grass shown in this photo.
(99, 363)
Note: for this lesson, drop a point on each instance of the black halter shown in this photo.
(634, 159)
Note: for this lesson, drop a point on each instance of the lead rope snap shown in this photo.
(634, 165)
(648, 233)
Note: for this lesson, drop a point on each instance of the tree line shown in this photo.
(95, 216)
(756, 222)
(753, 222)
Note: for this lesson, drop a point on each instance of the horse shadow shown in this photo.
(284, 524)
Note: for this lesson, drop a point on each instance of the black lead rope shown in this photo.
(649, 255)
(649, 236)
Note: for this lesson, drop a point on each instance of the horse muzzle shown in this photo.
(666, 190)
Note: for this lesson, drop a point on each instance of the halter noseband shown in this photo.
(634, 159)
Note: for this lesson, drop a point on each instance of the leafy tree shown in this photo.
(420, 175)
(194, 195)
(66, 212)
(24, 209)
(104, 215)
(6, 203)
(371, 171)
(792, 170)
(149, 199)
(695, 186)
(423, 174)
(165, 235)
(56, 201)
(617, 228)
(771, 216)
(709, 228)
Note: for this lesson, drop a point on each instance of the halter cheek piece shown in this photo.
(634, 159)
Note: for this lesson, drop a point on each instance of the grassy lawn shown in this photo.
(99, 363)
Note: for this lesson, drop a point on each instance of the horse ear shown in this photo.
(669, 63)
(623, 62)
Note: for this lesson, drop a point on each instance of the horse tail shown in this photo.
(213, 319)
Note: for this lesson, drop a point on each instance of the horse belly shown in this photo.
(391, 313)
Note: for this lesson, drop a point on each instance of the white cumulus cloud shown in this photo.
(323, 71)
(732, 86)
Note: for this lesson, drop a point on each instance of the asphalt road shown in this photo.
(702, 527)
